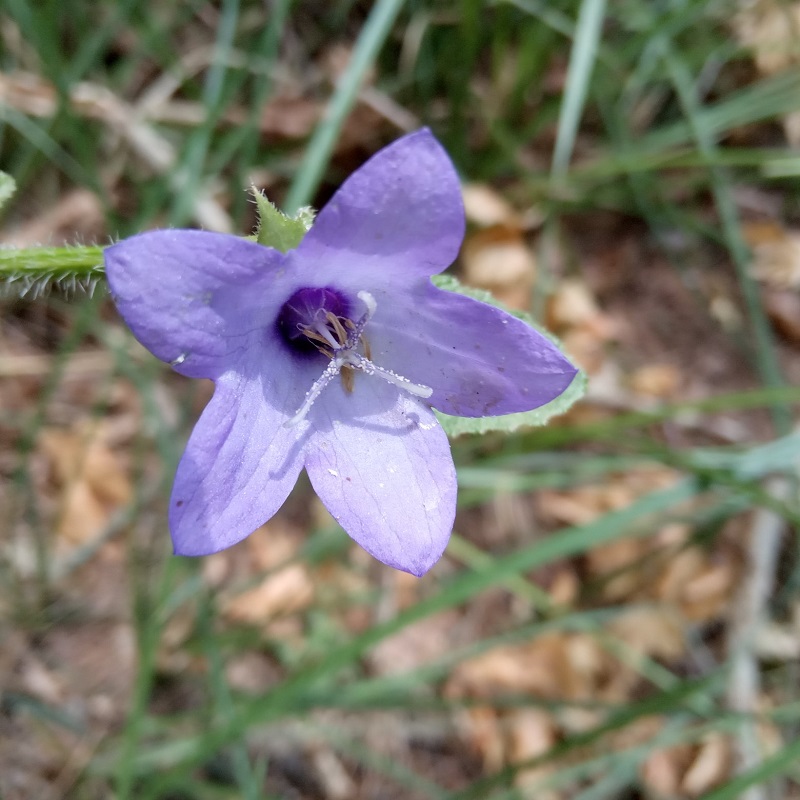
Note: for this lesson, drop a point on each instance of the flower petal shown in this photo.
(400, 214)
(479, 360)
(381, 464)
(238, 468)
(192, 297)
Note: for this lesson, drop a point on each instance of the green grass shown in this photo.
(646, 122)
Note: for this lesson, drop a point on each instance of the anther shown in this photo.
(344, 353)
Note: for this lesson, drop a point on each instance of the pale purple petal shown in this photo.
(265, 326)
(400, 214)
(479, 360)
(381, 464)
(192, 297)
(238, 468)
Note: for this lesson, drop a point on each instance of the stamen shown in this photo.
(323, 331)
(338, 329)
(344, 354)
(311, 334)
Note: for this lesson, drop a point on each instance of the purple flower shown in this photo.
(331, 357)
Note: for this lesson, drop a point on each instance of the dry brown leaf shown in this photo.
(783, 308)
(776, 254)
(688, 579)
(617, 564)
(663, 769)
(585, 350)
(556, 666)
(485, 207)
(415, 645)
(564, 586)
(573, 314)
(708, 594)
(43, 683)
(502, 738)
(532, 733)
(538, 667)
(656, 380)
(91, 478)
(591, 671)
(498, 259)
(567, 508)
(769, 28)
(286, 591)
(709, 767)
(651, 631)
(679, 570)
(573, 305)
(481, 727)
(586, 503)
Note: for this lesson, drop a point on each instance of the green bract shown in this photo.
(276, 229)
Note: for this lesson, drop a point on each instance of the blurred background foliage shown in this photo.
(617, 615)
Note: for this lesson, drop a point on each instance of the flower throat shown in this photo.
(320, 320)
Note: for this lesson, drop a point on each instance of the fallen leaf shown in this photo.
(90, 477)
(768, 28)
(486, 207)
(532, 733)
(498, 259)
(415, 645)
(776, 254)
(574, 315)
(783, 307)
(538, 667)
(286, 591)
(654, 631)
(663, 770)
(710, 766)
(656, 380)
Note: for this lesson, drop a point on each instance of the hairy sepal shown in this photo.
(278, 230)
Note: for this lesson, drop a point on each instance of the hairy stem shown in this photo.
(34, 270)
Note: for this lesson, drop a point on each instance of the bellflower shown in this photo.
(331, 357)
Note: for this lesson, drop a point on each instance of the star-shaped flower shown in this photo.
(331, 357)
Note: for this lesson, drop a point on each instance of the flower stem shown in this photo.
(34, 270)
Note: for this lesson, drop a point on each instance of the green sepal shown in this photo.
(456, 426)
(276, 229)
(7, 187)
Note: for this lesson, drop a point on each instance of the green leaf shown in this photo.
(7, 187)
(456, 426)
(276, 229)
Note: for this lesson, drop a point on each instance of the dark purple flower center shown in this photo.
(305, 311)
(320, 319)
